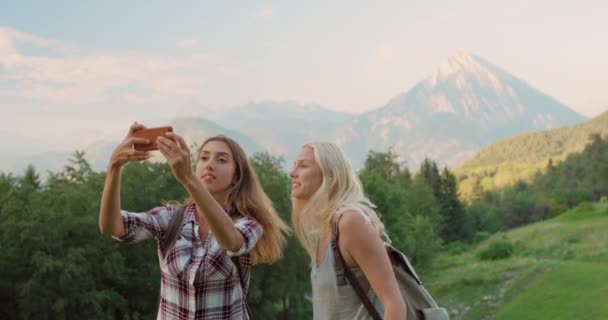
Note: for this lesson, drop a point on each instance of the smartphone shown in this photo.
(151, 134)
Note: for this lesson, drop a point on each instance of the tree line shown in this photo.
(54, 263)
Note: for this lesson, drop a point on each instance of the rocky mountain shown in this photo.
(280, 126)
(465, 105)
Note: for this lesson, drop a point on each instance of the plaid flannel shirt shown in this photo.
(198, 279)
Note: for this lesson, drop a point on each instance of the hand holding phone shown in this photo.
(151, 134)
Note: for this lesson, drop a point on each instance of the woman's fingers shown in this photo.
(134, 127)
(180, 141)
(140, 153)
(178, 159)
(136, 155)
(168, 149)
(164, 150)
(167, 144)
(139, 157)
(125, 152)
(131, 141)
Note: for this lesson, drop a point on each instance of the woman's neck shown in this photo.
(300, 203)
(221, 199)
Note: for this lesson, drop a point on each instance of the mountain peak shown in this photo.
(466, 104)
(460, 62)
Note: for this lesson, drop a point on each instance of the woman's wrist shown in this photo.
(115, 166)
(190, 182)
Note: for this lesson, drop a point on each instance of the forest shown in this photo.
(55, 264)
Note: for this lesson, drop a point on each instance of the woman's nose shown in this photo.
(208, 165)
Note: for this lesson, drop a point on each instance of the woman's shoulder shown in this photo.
(155, 211)
(357, 235)
(165, 213)
(165, 209)
(249, 222)
(352, 224)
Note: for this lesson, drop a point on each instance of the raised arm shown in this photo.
(177, 153)
(110, 219)
(361, 246)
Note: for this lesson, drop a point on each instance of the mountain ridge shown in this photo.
(466, 104)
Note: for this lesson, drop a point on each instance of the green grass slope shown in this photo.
(558, 269)
(571, 291)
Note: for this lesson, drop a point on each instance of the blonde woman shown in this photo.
(227, 224)
(326, 193)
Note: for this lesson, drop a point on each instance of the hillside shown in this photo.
(534, 147)
(523, 156)
(557, 270)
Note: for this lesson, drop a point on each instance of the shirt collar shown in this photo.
(190, 213)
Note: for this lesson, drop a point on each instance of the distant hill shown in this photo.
(534, 147)
(281, 127)
(42, 162)
(522, 156)
(194, 130)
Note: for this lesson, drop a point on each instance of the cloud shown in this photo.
(8, 35)
(76, 79)
(174, 85)
(11, 38)
(186, 42)
(264, 13)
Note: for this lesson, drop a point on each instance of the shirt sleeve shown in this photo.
(252, 232)
(145, 225)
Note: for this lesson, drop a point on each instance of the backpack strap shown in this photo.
(338, 260)
(237, 263)
(173, 230)
(342, 272)
(168, 241)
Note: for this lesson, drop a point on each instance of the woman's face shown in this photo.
(216, 167)
(306, 176)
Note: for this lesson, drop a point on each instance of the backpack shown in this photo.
(174, 229)
(419, 303)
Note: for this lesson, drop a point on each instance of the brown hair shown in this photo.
(248, 199)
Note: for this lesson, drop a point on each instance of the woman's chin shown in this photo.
(299, 196)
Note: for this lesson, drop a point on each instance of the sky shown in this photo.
(78, 68)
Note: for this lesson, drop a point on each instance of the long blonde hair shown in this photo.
(248, 199)
(340, 191)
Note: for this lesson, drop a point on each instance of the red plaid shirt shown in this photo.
(198, 279)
